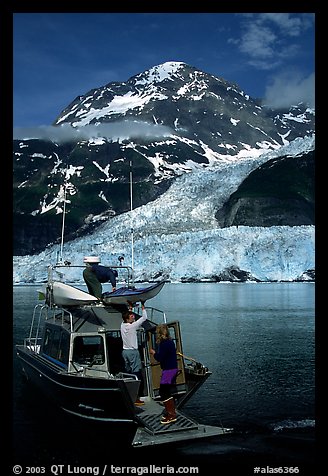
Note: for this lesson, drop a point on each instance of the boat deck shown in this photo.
(150, 416)
(153, 432)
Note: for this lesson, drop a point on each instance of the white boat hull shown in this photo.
(65, 295)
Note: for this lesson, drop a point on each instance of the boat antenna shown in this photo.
(131, 208)
(63, 223)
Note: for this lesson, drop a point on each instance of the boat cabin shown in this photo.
(87, 340)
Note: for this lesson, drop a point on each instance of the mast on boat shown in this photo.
(63, 224)
(60, 259)
(131, 208)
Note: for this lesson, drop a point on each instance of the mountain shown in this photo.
(197, 109)
(168, 122)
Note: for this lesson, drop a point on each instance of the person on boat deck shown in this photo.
(166, 355)
(94, 274)
(130, 353)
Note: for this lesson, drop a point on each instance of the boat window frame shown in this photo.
(55, 351)
(89, 362)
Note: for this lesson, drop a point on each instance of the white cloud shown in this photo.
(258, 42)
(290, 88)
(269, 39)
(115, 131)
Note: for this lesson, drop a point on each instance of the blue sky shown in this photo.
(58, 56)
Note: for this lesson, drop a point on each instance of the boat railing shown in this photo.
(36, 325)
(60, 313)
(125, 273)
(41, 313)
(91, 371)
(155, 315)
(33, 344)
(88, 371)
(125, 375)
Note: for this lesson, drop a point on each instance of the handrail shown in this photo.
(38, 325)
(67, 265)
(33, 317)
(126, 375)
(32, 343)
(186, 357)
(151, 310)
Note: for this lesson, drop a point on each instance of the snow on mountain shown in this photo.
(168, 121)
(190, 103)
(176, 236)
(121, 104)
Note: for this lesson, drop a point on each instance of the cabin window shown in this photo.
(88, 350)
(63, 352)
(51, 342)
(56, 345)
(152, 338)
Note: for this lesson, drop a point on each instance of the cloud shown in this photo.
(289, 89)
(114, 131)
(258, 42)
(268, 39)
(289, 24)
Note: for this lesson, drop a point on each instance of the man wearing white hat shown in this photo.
(94, 274)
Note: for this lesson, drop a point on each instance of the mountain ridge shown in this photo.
(179, 123)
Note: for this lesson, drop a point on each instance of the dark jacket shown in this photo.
(166, 355)
(104, 274)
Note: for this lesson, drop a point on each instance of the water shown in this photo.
(259, 342)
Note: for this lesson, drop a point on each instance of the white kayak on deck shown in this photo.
(66, 295)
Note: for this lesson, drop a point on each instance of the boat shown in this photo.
(131, 294)
(73, 354)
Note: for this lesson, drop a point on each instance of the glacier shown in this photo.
(176, 237)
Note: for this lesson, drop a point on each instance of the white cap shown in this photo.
(91, 259)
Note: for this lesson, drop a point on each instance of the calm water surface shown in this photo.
(259, 342)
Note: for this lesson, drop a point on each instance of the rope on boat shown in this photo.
(186, 357)
(198, 368)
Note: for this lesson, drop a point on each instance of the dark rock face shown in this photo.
(280, 192)
(266, 211)
(232, 274)
(308, 275)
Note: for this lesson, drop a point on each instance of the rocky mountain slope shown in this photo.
(161, 124)
(279, 192)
